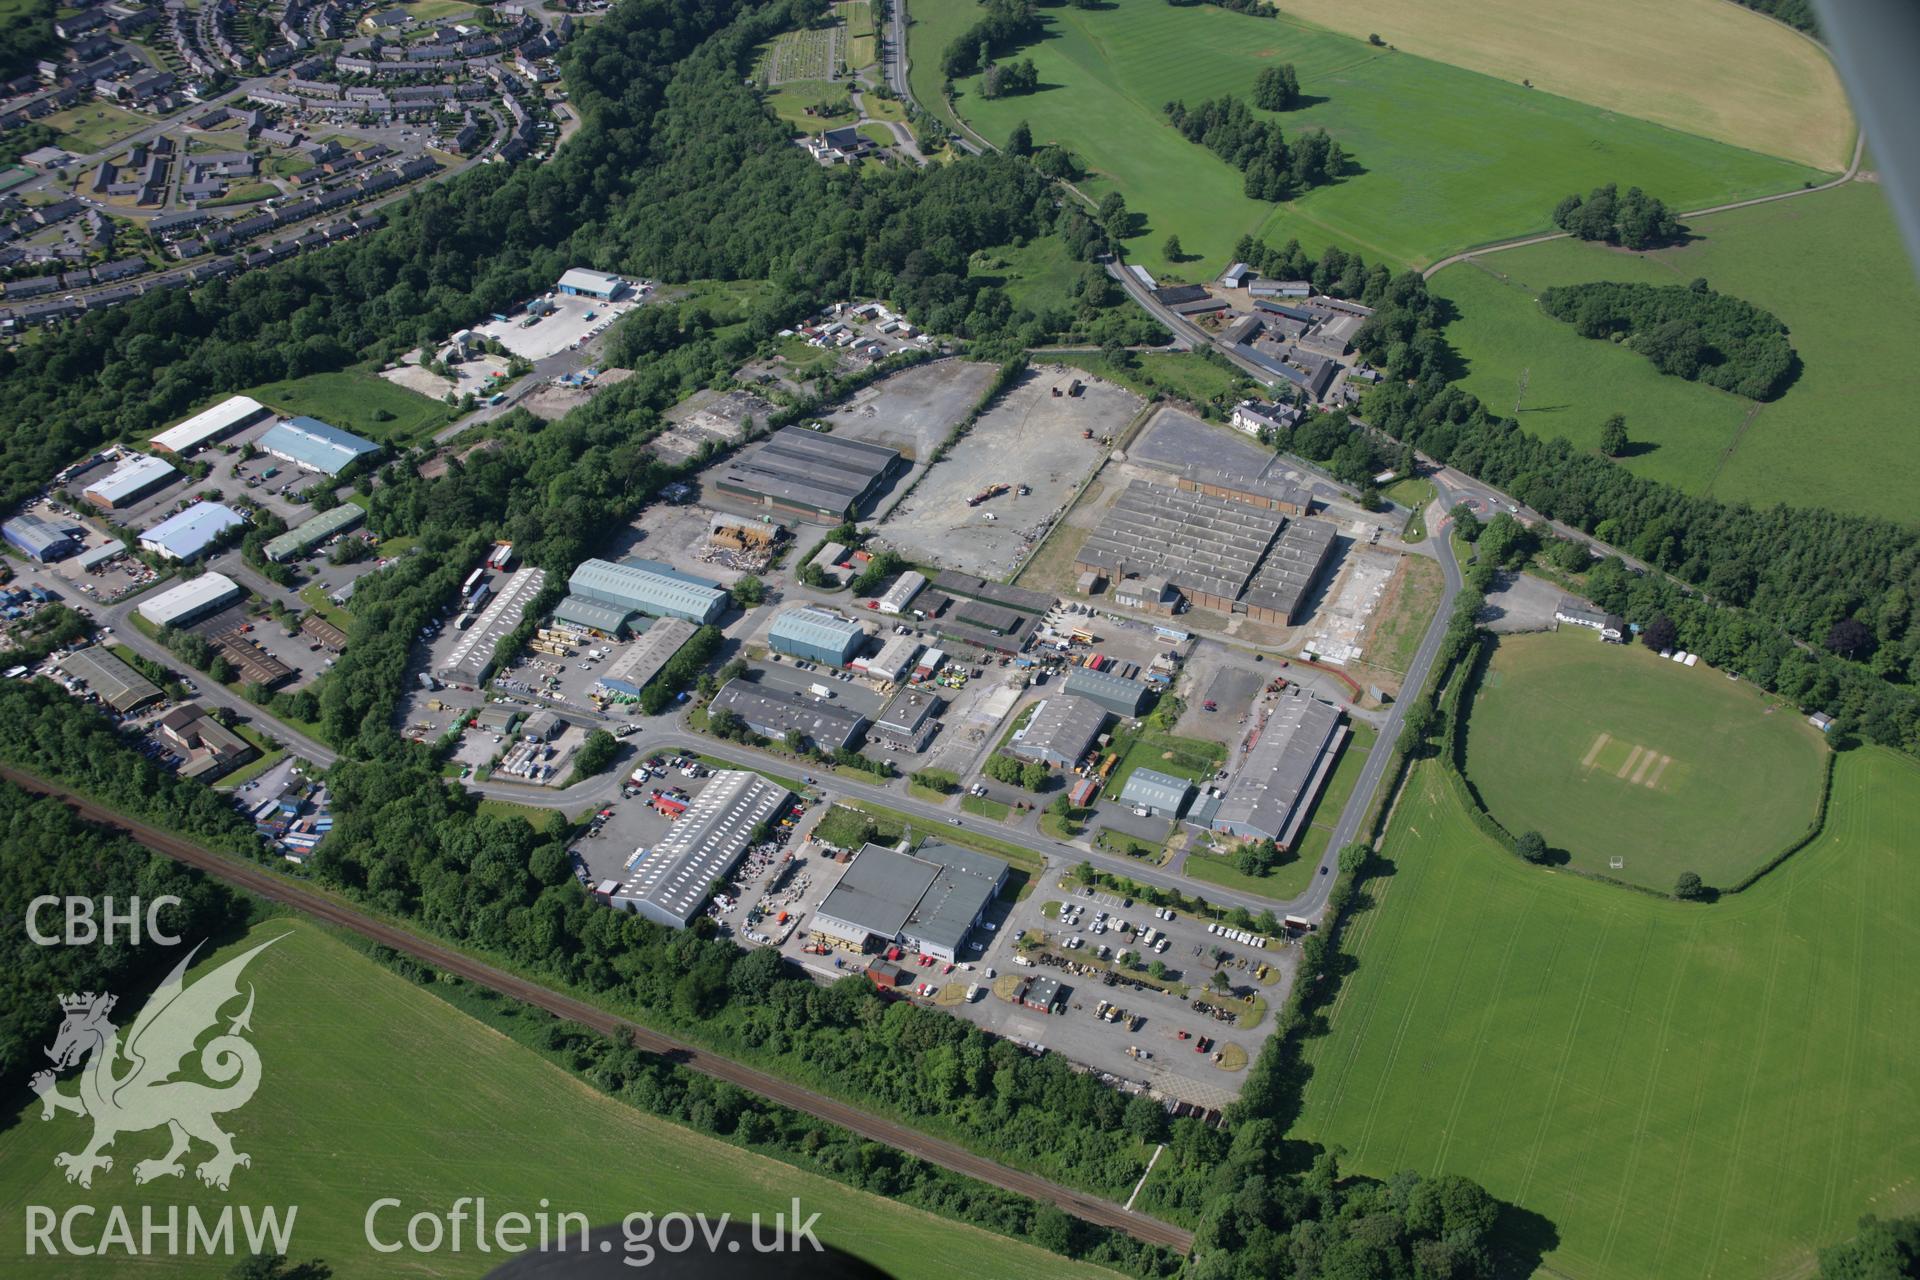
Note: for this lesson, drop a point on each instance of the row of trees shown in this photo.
(1004, 26)
(1688, 331)
(1275, 169)
(1635, 220)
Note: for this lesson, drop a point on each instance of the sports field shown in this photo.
(1680, 1090)
(1613, 751)
(1700, 66)
(1829, 264)
(372, 1087)
(1446, 158)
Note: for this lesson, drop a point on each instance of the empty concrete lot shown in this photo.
(913, 411)
(1030, 437)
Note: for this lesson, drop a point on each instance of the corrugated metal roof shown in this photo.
(816, 628)
(185, 535)
(315, 445)
(1200, 543)
(1157, 790)
(1272, 781)
(672, 882)
(641, 661)
(1062, 728)
(191, 598)
(129, 478)
(591, 613)
(312, 532)
(644, 590)
(117, 684)
(1116, 693)
(210, 424)
(777, 714)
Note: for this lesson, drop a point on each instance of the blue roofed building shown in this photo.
(313, 445)
(818, 635)
(39, 538)
(189, 534)
(649, 587)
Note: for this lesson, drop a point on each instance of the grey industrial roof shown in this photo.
(1111, 691)
(809, 468)
(878, 890)
(961, 890)
(907, 710)
(643, 588)
(130, 477)
(1062, 725)
(1156, 789)
(117, 684)
(312, 532)
(38, 535)
(774, 714)
(316, 445)
(1201, 543)
(191, 598)
(642, 660)
(591, 613)
(820, 628)
(677, 874)
(955, 583)
(190, 532)
(1273, 779)
(584, 278)
(1290, 568)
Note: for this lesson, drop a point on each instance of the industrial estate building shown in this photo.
(208, 747)
(1271, 793)
(40, 539)
(1113, 693)
(189, 534)
(1062, 730)
(965, 586)
(641, 661)
(233, 414)
(893, 663)
(901, 593)
(192, 599)
(810, 474)
(1218, 553)
(580, 282)
(927, 901)
(818, 635)
(638, 586)
(313, 445)
(138, 476)
(777, 715)
(672, 881)
(1161, 794)
(311, 532)
(111, 680)
(907, 722)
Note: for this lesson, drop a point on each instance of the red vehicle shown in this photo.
(948, 969)
(1185, 1036)
(1211, 705)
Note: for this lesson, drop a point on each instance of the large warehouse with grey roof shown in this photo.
(810, 474)
(928, 900)
(672, 881)
(1063, 729)
(1273, 789)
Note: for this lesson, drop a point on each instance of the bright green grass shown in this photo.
(94, 126)
(1451, 158)
(372, 1087)
(1830, 265)
(1195, 759)
(931, 27)
(1037, 275)
(1682, 1090)
(353, 399)
(790, 101)
(1182, 375)
(1743, 784)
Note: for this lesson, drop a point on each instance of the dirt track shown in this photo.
(258, 880)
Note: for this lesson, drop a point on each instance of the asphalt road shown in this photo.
(260, 881)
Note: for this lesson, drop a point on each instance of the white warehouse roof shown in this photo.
(130, 477)
(190, 599)
(185, 535)
(210, 424)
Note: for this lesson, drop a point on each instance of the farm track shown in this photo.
(947, 1155)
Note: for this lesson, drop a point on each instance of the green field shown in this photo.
(356, 401)
(1830, 265)
(1448, 158)
(1612, 750)
(790, 102)
(94, 126)
(862, 44)
(1680, 1090)
(372, 1087)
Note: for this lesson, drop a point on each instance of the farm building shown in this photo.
(111, 680)
(210, 425)
(137, 477)
(1237, 276)
(313, 531)
(642, 660)
(1117, 694)
(1611, 626)
(927, 901)
(649, 587)
(189, 534)
(809, 474)
(908, 721)
(901, 593)
(1160, 794)
(40, 539)
(672, 881)
(582, 283)
(780, 714)
(1063, 729)
(1271, 793)
(194, 598)
(818, 635)
(313, 445)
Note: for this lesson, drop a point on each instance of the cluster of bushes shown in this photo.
(1005, 25)
(1275, 169)
(1635, 220)
(1007, 79)
(1688, 331)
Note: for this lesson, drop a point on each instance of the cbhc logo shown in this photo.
(84, 925)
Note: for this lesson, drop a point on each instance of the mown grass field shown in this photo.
(1446, 158)
(1830, 265)
(1611, 750)
(372, 1087)
(1700, 66)
(94, 126)
(1680, 1090)
(357, 401)
(862, 44)
(790, 102)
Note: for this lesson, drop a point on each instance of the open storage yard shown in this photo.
(913, 411)
(1032, 438)
(1611, 751)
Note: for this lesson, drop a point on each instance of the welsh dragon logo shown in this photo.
(128, 1087)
